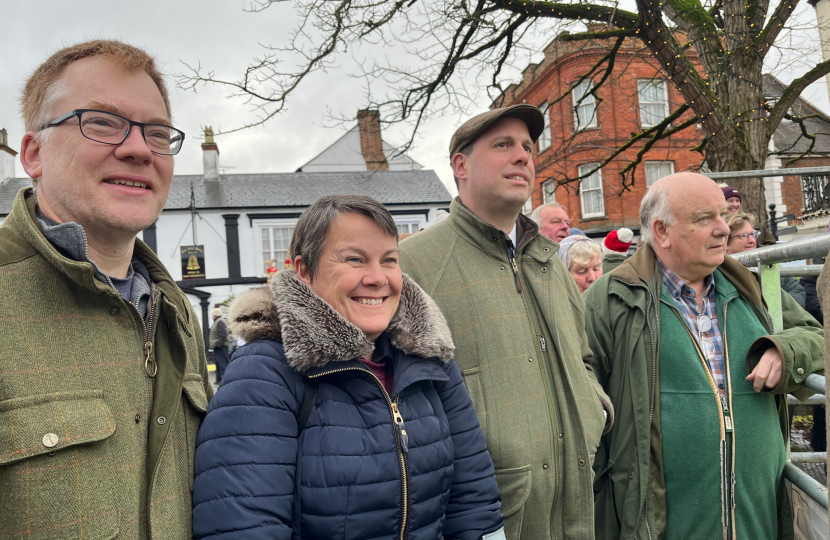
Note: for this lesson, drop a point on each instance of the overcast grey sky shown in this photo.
(224, 38)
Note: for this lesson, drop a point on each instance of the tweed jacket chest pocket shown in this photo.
(54, 467)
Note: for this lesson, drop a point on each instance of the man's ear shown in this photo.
(661, 234)
(460, 167)
(302, 270)
(30, 158)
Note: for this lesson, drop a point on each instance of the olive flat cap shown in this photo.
(475, 126)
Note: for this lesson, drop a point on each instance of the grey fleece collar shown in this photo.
(70, 239)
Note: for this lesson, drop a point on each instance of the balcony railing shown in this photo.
(816, 190)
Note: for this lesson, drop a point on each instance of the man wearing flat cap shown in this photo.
(517, 320)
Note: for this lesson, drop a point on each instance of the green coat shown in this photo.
(526, 363)
(624, 333)
(91, 446)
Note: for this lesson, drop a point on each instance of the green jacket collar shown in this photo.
(489, 238)
(642, 266)
(23, 221)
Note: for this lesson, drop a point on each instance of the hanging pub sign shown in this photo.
(193, 262)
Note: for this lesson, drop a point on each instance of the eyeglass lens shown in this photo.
(708, 348)
(704, 323)
(109, 128)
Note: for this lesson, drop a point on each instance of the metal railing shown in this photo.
(765, 261)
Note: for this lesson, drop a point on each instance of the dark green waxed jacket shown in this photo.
(91, 445)
(623, 327)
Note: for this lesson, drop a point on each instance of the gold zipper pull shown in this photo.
(396, 415)
(149, 362)
(512, 255)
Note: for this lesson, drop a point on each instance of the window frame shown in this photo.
(548, 196)
(659, 163)
(545, 139)
(654, 83)
(262, 226)
(585, 167)
(593, 103)
(418, 221)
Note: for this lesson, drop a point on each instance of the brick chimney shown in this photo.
(210, 156)
(7, 156)
(371, 145)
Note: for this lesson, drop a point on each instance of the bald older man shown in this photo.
(684, 347)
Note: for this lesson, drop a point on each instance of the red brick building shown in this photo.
(635, 96)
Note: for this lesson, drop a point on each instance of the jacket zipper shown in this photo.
(512, 255)
(653, 387)
(401, 441)
(730, 434)
(726, 448)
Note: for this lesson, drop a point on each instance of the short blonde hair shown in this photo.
(43, 88)
(584, 252)
(736, 221)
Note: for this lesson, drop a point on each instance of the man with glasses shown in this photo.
(553, 221)
(698, 377)
(103, 381)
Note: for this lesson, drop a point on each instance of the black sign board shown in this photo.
(193, 262)
(782, 219)
(788, 230)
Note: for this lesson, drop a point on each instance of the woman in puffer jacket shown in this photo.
(344, 416)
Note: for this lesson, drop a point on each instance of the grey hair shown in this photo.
(312, 228)
(583, 252)
(55, 92)
(655, 205)
(536, 215)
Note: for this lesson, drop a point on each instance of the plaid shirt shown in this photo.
(686, 300)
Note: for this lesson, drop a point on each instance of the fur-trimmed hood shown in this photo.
(313, 334)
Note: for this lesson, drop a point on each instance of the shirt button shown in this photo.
(544, 269)
(721, 386)
(161, 420)
(800, 371)
(137, 418)
(113, 311)
(50, 440)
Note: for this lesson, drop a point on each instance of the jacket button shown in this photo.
(800, 371)
(161, 420)
(530, 359)
(50, 440)
(545, 466)
(544, 269)
(546, 250)
(137, 418)
(581, 462)
(502, 267)
(113, 311)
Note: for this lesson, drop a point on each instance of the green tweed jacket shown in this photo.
(525, 360)
(91, 446)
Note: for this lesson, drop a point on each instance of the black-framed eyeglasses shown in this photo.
(110, 128)
(746, 235)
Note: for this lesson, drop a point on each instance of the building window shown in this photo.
(528, 206)
(409, 224)
(655, 170)
(544, 138)
(275, 239)
(548, 191)
(590, 191)
(654, 101)
(585, 111)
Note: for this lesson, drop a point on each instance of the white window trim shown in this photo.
(262, 225)
(545, 139)
(594, 122)
(420, 221)
(586, 167)
(545, 197)
(659, 162)
(665, 104)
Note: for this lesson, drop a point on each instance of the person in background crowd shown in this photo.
(219, 341)
(582, 258)
(684, 345)
(344, 416)
(743, 237)
(517, 322)
(103, 378)
(733, 199)
(553, 221)
(615, 248)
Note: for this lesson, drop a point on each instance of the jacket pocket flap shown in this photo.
(194, 388)
(514, 485)
(35, 425)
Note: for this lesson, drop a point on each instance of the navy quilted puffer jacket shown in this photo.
(351, 473)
